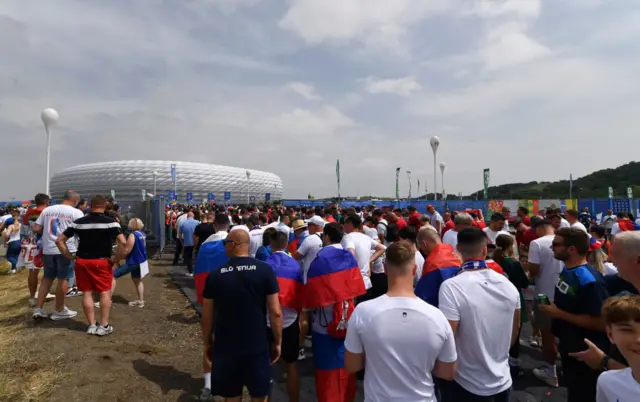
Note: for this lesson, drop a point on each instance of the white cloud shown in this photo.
(400, 86)
(307, 91)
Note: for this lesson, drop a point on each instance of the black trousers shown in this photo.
(515, 349)
(579, 379)
(176, 255)
(379, 285)
(459, 394)
(187, 252)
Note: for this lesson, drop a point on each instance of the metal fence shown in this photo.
(152, 214)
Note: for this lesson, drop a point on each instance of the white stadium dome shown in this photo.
(128, 179)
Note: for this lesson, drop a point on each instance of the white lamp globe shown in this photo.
(49, 117)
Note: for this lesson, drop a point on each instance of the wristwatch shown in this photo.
(605, 363)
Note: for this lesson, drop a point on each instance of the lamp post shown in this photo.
(442, 166)
(248, 175)
(409, 176)
(435, 143)
(49, 119)
(155, 187)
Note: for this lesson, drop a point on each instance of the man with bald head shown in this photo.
(236, 298)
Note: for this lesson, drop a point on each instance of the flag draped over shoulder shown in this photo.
(441, 264)
(334, 276)
(626, 225)
(289, 276)
(211, 255)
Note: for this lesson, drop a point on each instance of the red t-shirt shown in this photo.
(479, 224)
(528, 236)
(31, 215)
(448, 226)
(401, 224)
(330, 219)
(526, 220)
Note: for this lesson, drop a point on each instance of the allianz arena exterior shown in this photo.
(129, 178)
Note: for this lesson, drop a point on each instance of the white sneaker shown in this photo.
(543, 375)
(96, 304)
(92, 330)
(39, 313)
(102, 331)
(137, 303)
(74, 292)
(32, 302)
(302, 354)
(64, 314)
(50, 296)
(12, 271)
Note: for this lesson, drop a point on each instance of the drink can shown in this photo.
(543, 299)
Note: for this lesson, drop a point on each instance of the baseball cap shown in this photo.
(315, 220)
(299, 224)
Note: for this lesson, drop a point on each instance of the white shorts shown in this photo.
(28, 254)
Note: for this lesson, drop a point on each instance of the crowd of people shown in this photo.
(420, 306)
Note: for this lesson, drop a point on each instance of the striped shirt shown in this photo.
(96, 232)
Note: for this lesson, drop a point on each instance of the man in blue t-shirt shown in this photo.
(579, 295)
(185, 234)
(236, 300)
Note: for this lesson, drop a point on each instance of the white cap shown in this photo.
(316, 220)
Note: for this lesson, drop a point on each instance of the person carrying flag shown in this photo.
(624, 224)
(333, 282)
(291, 296)
(441, 263)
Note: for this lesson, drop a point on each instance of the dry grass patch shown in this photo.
(26, 376)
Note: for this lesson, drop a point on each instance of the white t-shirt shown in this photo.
(451, 237)
(564, 223)
(55, 220)
(618, 386)
(484, 302)
(309, 249)
(255, 241)
(436, 217)
(615, 229)
(216, 236)
(362, 244)
(419, 263)
(609, 220)
(382, 229)
(402, 339)
(4, 218)
(378, 264)
(540, 253)
(579, 225)
(610, 269)
(492, 235)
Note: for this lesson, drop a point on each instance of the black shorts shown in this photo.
(230, 372)
(290, 342)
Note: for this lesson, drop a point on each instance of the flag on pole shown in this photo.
(173, 174)
(487, 174)
(570, 186)
(397, 186)
(418, 188)
(409, 176)
(338, 176)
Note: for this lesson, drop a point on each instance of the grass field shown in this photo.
(24, 375)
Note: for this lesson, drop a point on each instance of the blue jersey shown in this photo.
(582, 291)
(138, 253)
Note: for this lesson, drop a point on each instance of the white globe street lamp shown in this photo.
(49, 118)
(435, 143)
(442, 166)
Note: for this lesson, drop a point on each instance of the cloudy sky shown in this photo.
(534, 90)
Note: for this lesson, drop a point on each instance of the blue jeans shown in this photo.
(125, 268)
(13, 252)
(56, 266)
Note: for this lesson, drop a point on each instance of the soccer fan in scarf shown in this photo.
(333, 282)
(291, 295)
(483, 308)
(392, 356)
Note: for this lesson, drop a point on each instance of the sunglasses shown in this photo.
(225, 242)
(554, 244)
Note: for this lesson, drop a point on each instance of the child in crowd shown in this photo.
(622, 318)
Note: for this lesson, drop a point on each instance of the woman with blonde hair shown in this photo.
(597, 257)
(136, 262)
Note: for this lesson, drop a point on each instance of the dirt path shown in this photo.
(153, 354)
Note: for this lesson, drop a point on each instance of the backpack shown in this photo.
(342, 311)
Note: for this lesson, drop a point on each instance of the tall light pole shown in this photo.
(155, 187)
(435, 143)
(49, 119)
(409, 176)
(442, 166)
(248, 175)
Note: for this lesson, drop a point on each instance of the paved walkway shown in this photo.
(526, 388)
